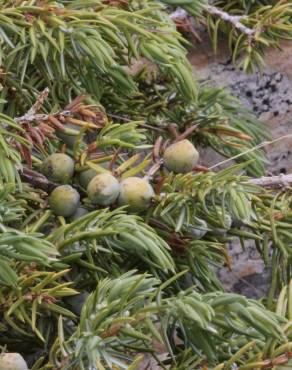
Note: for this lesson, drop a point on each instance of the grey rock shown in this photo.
(269, 96)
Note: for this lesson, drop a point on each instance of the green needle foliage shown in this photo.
(115, 321)
(266, 22)
(249, 26)
(108, 83)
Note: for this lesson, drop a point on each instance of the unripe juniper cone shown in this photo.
(136, 193)
(181, 157)
(103, 189)
(59, 167)
(80, 211)
(12, 361)
(198, 230)
(86, 176)
(64, 200)
(221, 231)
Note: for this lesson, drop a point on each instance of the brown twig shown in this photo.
(172, 128)
(280, 360)
(186, 133)
(201, 169)
(75, 103)
(39, 102)
(32, 112)
(156, 149)
(114, 159)
(55, 119)
(158, 129)
(153, 169)
(177, 243)
(37, 180)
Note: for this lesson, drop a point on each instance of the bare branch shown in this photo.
(39, 102)
(235, 20)
(40, 117)
(32, 113)
(280, 181)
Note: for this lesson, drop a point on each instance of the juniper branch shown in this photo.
(39, 102)
(235, 20)
(37, 180)
(280, 181)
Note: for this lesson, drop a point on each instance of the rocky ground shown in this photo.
(269, 95)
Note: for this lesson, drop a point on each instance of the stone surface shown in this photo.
(249, 275)
(269, 96)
